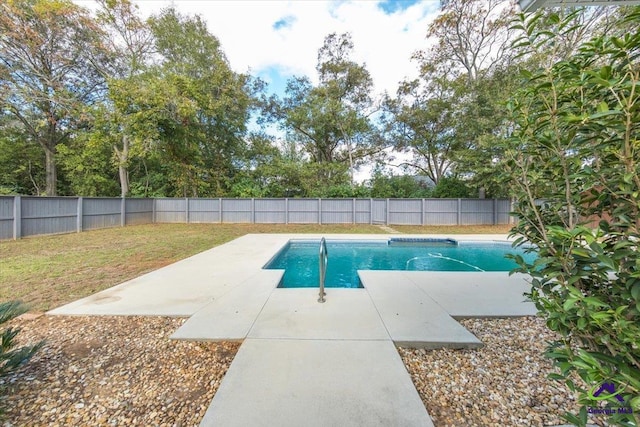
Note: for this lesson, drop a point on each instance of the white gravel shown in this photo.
(125, 371)
(503, 383)
(106, 371)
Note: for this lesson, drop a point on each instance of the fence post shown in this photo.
(512, 206)
(153, 210)
(370, 211)
(459, 213)
(424, 214)
(286, 210)
(220, 209)
(186, 210)
(495, 211)
(123, 212)
(386, 216)
(253, 210)
(320, 210)
(17, 217)
(353, 216)
(79, 217)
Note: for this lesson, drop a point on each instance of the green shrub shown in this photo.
(11, 357)
(574, 163)
(399, 186)
(452, 187)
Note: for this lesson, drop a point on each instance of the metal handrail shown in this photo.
(324, 257)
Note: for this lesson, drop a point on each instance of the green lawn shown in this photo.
(48, 271)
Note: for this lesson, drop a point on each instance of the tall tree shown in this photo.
(332, 120)
(211, 100)
(48, 52)
(131, 44)
(439, 118)
(484, 123)
(422, 123)
(472, 37)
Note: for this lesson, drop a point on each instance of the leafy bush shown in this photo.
(574, 163)
(398, 186)
(452, 187)
(12, 358)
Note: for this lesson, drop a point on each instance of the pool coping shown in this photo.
(292, 361)
(223, 291)
(207, 277)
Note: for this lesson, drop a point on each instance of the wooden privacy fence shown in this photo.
(22, 216)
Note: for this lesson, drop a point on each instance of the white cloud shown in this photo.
(251, 41)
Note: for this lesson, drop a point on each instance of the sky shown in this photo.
(278, 39)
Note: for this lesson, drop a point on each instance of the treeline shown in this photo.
(107, 104)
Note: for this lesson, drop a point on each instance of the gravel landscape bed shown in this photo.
(503, 383)
(96, 371)
(103, 371)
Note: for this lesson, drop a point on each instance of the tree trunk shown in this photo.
(123, 172)
(50, 168)
(124, 180)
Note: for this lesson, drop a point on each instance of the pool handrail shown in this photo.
(324, 256)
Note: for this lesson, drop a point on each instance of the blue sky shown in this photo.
(277, 39)
(393, 6)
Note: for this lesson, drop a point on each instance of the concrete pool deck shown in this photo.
(306, 363)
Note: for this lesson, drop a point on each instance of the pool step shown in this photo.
(231, 316)
(412, 318)
(295, 313)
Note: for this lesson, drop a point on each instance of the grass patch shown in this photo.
(48, 271)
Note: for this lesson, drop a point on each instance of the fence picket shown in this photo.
(27, 216)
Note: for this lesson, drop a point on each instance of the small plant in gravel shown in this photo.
(574, 162)
(11, 357)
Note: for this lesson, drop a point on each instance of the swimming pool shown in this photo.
(299, 259)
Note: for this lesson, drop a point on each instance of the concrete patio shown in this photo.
(306, 363)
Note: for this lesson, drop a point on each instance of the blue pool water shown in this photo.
(299, 259)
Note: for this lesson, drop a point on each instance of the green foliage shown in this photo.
(574, 164)
(449, 119)
(11, 358)
(485, 122)
(48, 52)
(398, 186)
(21, 165)
(86, 163)
(348, 191)
(148, 179)
(205, 110)
(331, 121)
(422, 122)
(323, 179)
(269, 171)
(152, 105)
(452, 187)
